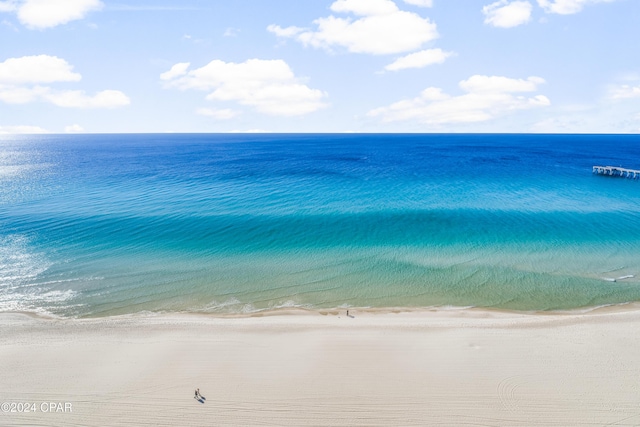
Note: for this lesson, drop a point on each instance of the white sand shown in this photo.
(446, 368)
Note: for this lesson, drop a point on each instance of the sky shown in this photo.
(517, 66)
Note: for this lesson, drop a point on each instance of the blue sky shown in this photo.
(320, 66)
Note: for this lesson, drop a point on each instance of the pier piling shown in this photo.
(617, 172)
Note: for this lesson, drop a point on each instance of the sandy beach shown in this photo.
(431, 367)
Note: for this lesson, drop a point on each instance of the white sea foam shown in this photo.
(248, 308)
(234, 305)
(616, 279)
(289, 304)
(39, 303)
(18, 264)
(216, 306)
(20, 268)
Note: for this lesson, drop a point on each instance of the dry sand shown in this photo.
(439, 367)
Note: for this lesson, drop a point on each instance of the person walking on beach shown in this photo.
(197, 393)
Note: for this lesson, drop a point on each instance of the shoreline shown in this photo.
(376, 311)
(444, 367)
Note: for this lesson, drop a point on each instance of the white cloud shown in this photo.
(192, 39)
(284, 32)
(21, 129)
(419, 59)
(505, 14)
(500, 84)
(231, 32)
(222, 114)
(36, 69)
(21, 82)
(73, 129)
(365, 7)
(7, 6)
(566, 7)
(380, 28)
(624, 92)
(600, 117)
(179, 69)
(21, 95)
(150, 8)
(78, 99)
(420, 3)
(63, 98)
(41, 14)
(486, 97)
(269, 86)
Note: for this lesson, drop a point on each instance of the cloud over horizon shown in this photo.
(486, 98)
(624, 92)
(268, 86)
(22, 80)
(26, 129)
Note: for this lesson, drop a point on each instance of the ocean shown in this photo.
(103, 225)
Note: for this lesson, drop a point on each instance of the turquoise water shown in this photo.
(98, 225)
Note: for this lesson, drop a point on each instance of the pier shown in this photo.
(616, 171)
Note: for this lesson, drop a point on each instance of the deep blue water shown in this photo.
(94, 225)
